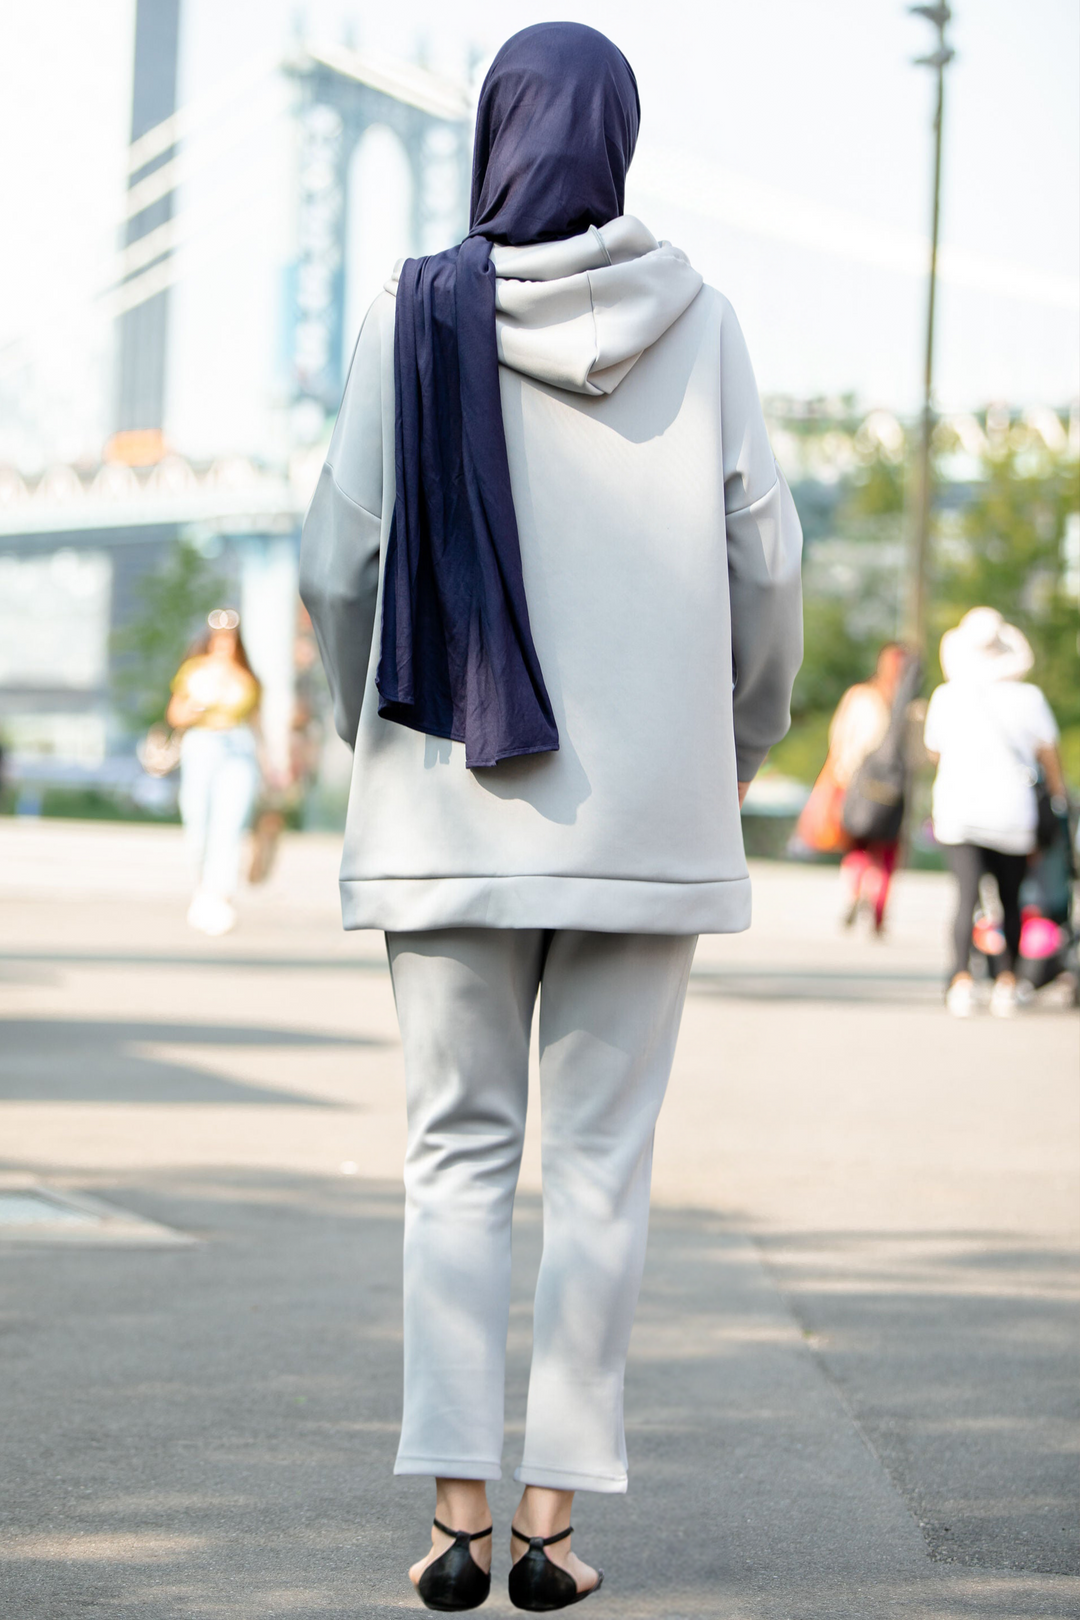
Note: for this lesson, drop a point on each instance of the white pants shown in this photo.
(219, 774)
(610, 1006)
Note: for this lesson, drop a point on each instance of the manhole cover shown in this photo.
(33, 1213)
(32, 1208)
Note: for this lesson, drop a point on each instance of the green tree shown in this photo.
(834, 658)
(842, 632)
(172, 602)
(1008, 553)
(877, 490)
(998, 540)
(844, 629)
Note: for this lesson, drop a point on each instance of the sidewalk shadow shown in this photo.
(959, 1355)
(891, 987)
(212, 1431)
(98, 1060)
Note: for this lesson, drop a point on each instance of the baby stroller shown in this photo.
(1048, 941)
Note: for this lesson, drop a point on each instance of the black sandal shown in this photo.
(455, 1580)
(538, 1584)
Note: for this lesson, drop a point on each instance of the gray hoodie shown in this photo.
(660, 550)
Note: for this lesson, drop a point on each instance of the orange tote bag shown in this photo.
(820, 826)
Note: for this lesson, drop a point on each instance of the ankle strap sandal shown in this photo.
(455, 1580)
(539, 1585)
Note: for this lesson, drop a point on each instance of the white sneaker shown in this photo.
(960, 998)
(1004, 1001)
(210, 914)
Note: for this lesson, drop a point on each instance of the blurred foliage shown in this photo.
(1010, 556)
(172, 604)
(839, 647)
(834, 658)
(1070, 753)
(999, 540)
(802, 752)
(86, 804)
(877, 490)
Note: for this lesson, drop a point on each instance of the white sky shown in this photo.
(772, 133)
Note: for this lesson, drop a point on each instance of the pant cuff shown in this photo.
(449, 1467)
(559, 1479)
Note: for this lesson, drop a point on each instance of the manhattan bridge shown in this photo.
(77, 540)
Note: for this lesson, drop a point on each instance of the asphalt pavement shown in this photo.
(853, 1384)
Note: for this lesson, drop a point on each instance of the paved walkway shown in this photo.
(852, 1387)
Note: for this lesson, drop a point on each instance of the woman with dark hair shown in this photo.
(554, 574)
(215, 701)
(860, 725)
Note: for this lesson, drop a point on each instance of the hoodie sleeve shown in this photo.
(764, 545)
(339, 552)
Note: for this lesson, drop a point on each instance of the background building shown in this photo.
(207, 194)
(335, 144)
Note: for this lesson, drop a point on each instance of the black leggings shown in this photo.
(970, 863)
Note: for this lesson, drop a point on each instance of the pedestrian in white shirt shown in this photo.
(991, 733)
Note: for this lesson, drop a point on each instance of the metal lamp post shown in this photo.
(939, 15)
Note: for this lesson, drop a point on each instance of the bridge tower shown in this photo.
(343, 94)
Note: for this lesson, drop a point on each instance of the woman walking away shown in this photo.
(549, 529)
(215, 702)
(865, 717)
(991, 733)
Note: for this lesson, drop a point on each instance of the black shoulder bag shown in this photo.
(874, 803)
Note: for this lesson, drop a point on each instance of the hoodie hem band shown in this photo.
(600, 905)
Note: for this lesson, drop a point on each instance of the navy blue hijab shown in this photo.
(555, 132)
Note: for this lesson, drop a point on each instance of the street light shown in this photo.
(939, 16)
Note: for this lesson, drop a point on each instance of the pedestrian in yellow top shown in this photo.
(215, 703)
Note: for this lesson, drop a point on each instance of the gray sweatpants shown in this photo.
(610, 1006)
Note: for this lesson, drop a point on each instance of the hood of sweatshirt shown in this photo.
(579, 313)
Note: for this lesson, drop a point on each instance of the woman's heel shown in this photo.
(455, 1580)
(539, 1585)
